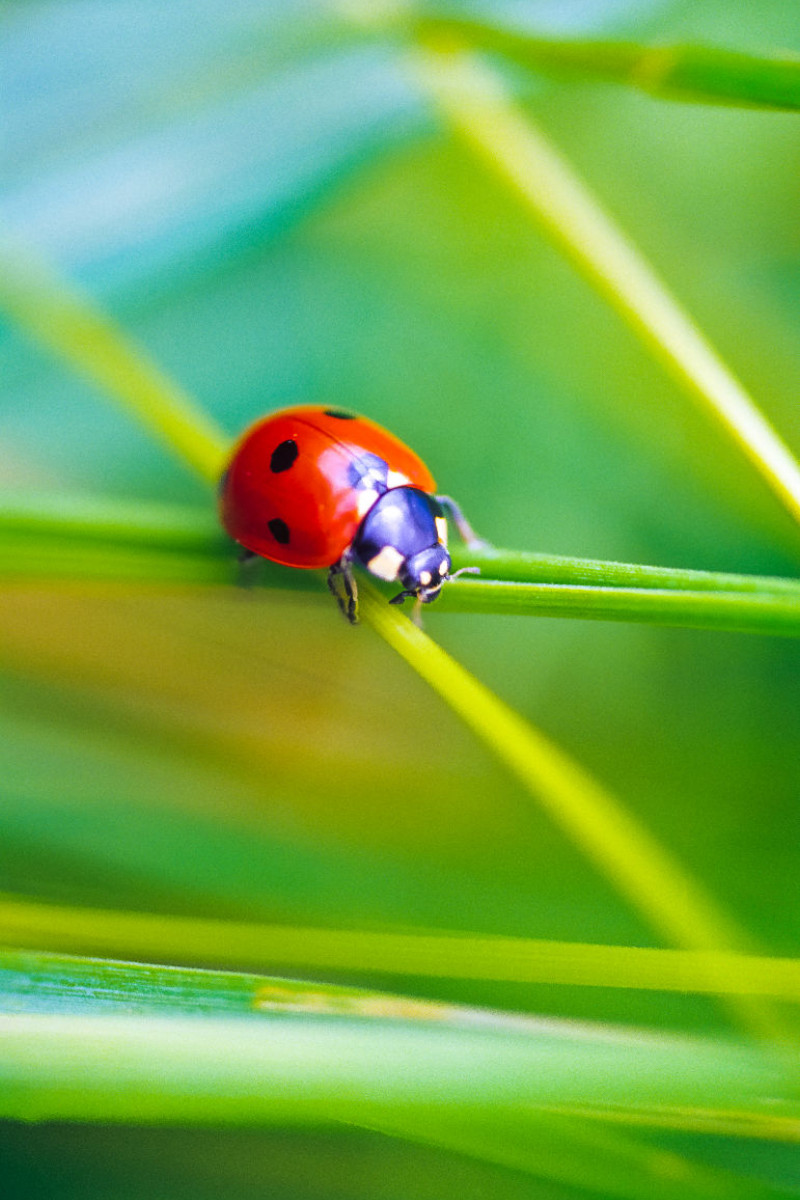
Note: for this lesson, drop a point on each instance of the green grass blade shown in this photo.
(65, 561)
(109, 519)
(56, 983)
(582, 807)
(701, 74)
(129, 1042)
(270, 1069)
(778, 615)
(428, 954)
(473, 101)
(69, 537)
(525, 567)
(66, 322)
(549, 1145)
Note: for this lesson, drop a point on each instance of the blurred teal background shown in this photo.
(258, 193)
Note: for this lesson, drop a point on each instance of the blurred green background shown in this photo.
(259, 194)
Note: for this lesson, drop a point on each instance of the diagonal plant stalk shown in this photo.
(473, 101)
(69, 324)
(624, 851)
(610, 837)
(702, 74)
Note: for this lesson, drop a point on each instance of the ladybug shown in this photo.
(321, 487)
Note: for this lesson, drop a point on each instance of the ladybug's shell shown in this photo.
(338, 467)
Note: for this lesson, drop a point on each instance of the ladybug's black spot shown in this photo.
(279, 530)
(340, 414)
(283, 456)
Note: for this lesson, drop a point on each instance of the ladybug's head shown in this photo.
(423, 574)
(402, 538)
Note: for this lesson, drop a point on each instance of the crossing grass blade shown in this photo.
(70, 325)
(472, 100)
(609, 836)
(612, 839)
(96, 1040)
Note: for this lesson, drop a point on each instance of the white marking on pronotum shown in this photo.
(441, 529)
(425, 577)
(366, 499)
(443, 567)
(386, 564)
(396, 479)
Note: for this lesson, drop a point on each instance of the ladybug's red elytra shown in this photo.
(321, 487)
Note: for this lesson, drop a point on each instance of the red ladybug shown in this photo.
(322, 487)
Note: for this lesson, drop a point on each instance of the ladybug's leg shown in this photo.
(352, 595)
(348, 603)
(466, 532)
(248, 562)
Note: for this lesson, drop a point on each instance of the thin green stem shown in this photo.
(475, 104)
(62, 561)
(39, 517)
(526, 567)
(737, 612)
(702, 74)
(59, 317)
(109, 519)
(425, 953)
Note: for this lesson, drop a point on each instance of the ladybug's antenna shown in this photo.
(463, 571)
